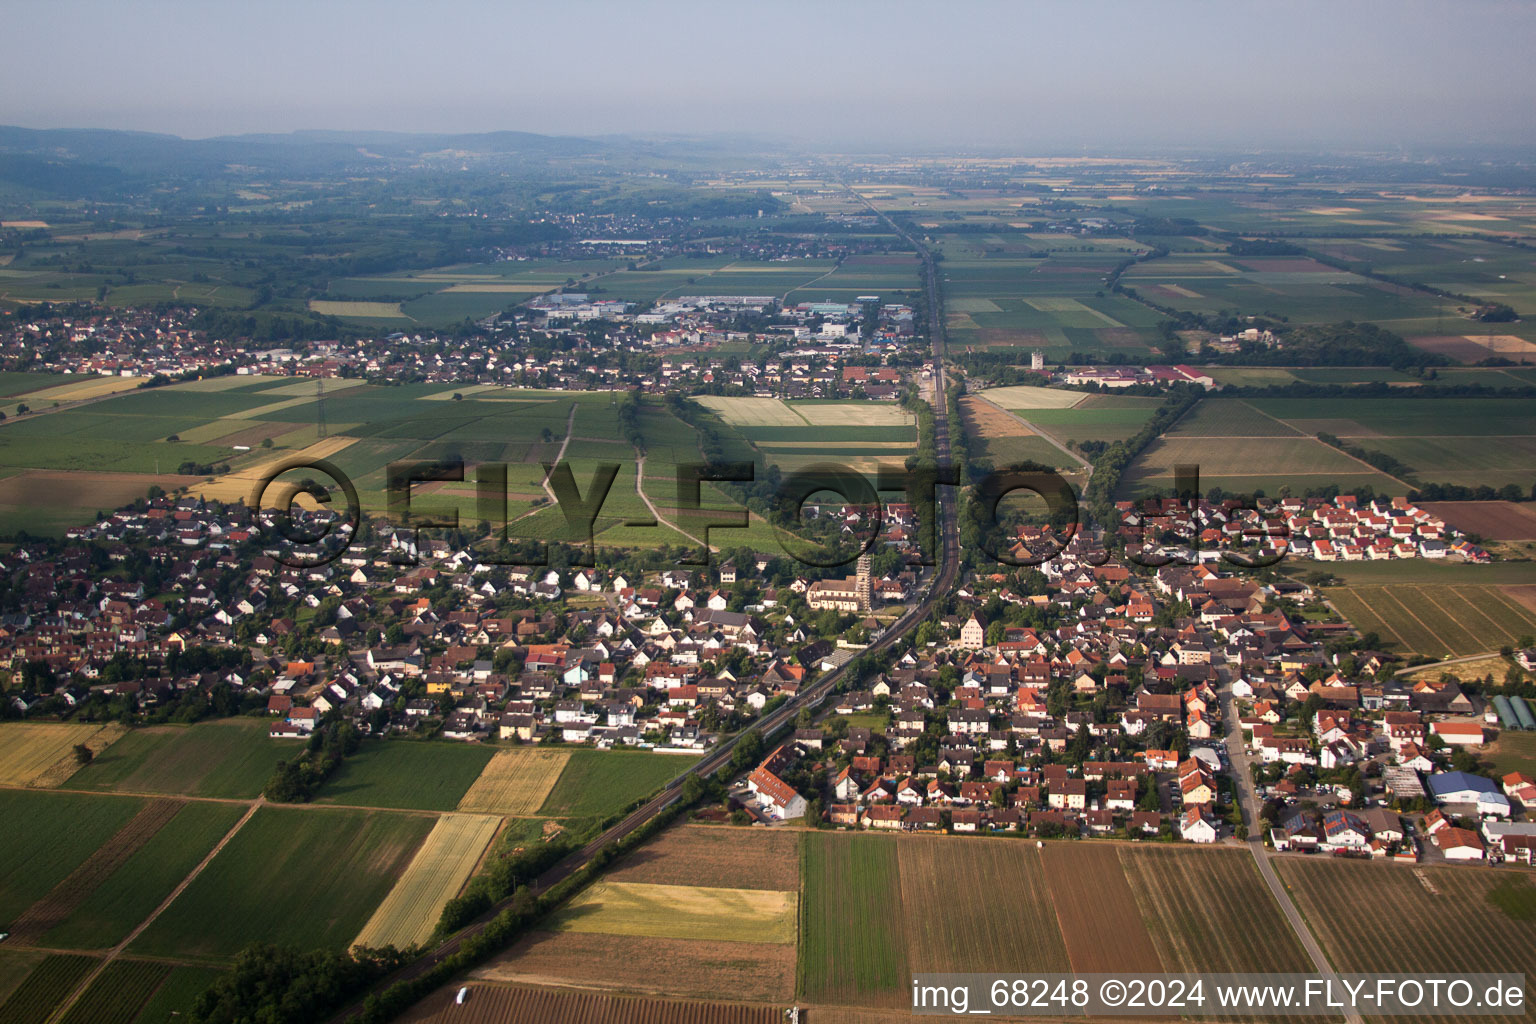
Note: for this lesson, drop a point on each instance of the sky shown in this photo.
(1367, 74)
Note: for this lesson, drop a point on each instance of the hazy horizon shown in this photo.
(1371, 75)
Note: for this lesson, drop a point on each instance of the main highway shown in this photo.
(942, 582)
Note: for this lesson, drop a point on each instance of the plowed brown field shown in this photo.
(751, 971)
(1100, 924)
(719, 856)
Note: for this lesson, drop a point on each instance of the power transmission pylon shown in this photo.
(320, 405)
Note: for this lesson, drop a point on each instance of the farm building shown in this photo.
(1516, 840)
(1464, 788)
(1459, 844)
(1506, 712)
(1522, 709)
(1463, 734)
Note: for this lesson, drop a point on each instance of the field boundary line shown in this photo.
(1471, 634)
(1294, 430)
(79, 885)
(835, 268)
(1353, 619)
(1385, 593)
(1069, 453)
(1341, 451)
(117, 950)
(570, 428)
(1498, 629)
(1488, 592)
(640, 490)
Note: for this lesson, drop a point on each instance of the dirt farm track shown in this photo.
(495, 1004)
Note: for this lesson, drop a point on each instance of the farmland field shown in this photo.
(1436, 620)
(749, 861)
(1229, 417)
(1494, 520)
(118, 993)
(408, 775)
(500, 1004)
(42, 755)
(681, 912)
(998, 912)
(1023, 396)
(307, 876)
(853, 945)
(232, 758)
(755, 971)
(78, 885)
(112, 451)
(1003, 437)
(773, 412)
(128, 895)
(1095, 418)
(354, 308)
(1514, 751)
(1096, 909)
(63, 831)
(1471, 441)
(1027, 292)
(598, 783)
(15, 965)
(436, 874)
(515, 781)
(1208, 911)
(716, 856)
(1354, 908)
(48, 984)
(175, 996)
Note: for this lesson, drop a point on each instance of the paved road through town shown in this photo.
(1248, 798)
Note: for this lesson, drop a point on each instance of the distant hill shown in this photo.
(79, 162)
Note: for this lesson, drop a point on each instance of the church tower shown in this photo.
(863, 585)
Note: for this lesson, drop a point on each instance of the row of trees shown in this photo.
(298, 779)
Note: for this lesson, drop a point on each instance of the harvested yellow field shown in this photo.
(1466, 671)
(751, 412)
(466, 390)
(76, 390)
(371, 310)
(25, 225)
(1022, 396)
(43, 755)
(204, 433)
(435, 876)
(515, 781)
(854, 414)
(1502, 343)
(278, 406)
(868, 465)
(682, 912)
(238, 486)
(308, 387)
